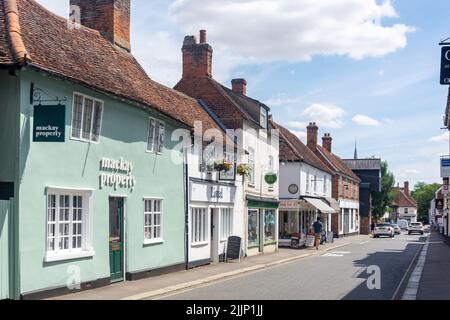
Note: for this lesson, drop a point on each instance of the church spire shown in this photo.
(355, 156)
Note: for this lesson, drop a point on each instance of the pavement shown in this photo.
(435, 279)
(172, 283)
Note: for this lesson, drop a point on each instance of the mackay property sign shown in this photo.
(445, 65)
(49, 123)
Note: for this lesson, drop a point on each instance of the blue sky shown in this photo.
(363, 70)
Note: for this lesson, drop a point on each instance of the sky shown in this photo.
(366, 71)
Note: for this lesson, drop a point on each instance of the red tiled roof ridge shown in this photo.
(338, 163)
(19, 51)
(277, 126)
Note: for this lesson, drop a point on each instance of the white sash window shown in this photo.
(87, 115)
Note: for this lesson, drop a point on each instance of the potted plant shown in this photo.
(222, 165)
(243, 170)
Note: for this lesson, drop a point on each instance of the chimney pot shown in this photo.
(311, 135)
(197, 57)
(239, 86)
(202, 36)
(326, 141)
(110, 17)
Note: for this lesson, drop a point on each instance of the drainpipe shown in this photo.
(186, 208)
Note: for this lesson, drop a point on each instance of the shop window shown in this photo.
(86, 118)
(269, 226)
(226, 223)
(155, 135)
(153, 220)
(253, 228)
(67, 223)
(199, 225)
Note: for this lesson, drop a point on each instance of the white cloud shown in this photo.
(300, 134)
(273, 30)
(440, 138)
(297, 124)
(363, 120)
(327, 116)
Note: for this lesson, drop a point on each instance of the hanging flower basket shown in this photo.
(223, 166)
(271, 178)
(243, 170)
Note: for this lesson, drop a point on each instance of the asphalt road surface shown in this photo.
(349, 272)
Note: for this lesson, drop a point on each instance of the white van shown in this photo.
(403, 224)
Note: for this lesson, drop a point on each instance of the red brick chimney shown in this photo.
(110, 17)
(197, 57)
(326, 141)
(239, 86)
(311, 135)
(406, 187)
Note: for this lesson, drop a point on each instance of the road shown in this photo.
(335, 275)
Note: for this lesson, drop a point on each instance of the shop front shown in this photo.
(298, 216)
(211, 220)
(262, 222)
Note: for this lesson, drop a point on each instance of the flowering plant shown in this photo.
(243, 170)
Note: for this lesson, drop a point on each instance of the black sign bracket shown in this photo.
(37, 94)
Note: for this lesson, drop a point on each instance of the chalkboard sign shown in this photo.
(233, 248)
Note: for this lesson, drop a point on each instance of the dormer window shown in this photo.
(263, 118)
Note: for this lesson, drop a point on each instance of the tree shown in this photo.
(423, 193)
(381, 201)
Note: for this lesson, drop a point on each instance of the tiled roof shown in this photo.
(293, 149)
(84, 56)
(337, 163)
(363, 164)
(5, 51)
(402, 199)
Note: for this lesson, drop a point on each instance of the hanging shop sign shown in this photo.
(270, 178)
(49, 123)
(445, 65)
(445, 167)
(439, 204)
(116, 174)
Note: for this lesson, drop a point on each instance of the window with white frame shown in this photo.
(155, 135)
(307, 182)
(153, 211)
(86, 118)
(251, 163)
(263, 118)
(315, 184)
(67, 221)
(325, 182)
(199, 225)
(226, 223)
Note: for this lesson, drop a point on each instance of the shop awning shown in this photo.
(320, 205)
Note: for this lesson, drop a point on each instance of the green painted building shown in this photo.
(89, 190)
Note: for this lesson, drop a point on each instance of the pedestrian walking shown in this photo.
(318, 227)
(372, 228)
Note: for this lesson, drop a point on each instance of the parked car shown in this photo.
(415, 227)
(397, 229)
(383, 229)
(403, 224)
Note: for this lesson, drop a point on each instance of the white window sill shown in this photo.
(153, 241)
(52, 257)
(199, 244)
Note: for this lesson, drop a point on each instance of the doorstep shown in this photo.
(170, 283)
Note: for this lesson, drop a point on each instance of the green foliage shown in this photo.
(423, 193)
(381, 201)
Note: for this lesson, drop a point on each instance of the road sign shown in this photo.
(445, 65)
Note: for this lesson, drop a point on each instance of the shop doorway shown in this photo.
(346, 221)
(214, 243)
(116, 238)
